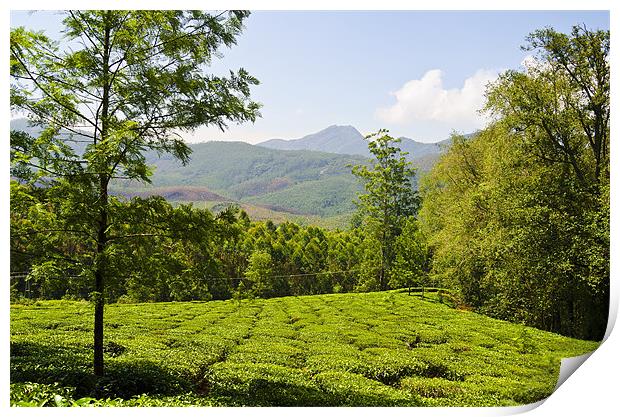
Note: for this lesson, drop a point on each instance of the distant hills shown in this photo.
(279, 179)
(309, 182)
(348, 140)
(334, 139)
(176, 193)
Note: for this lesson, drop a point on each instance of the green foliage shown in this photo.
(358, 391)
(412, 258)
(375, 349)
(133, 79)
(389, 198)
(258, 273)
(518, 216)
(41, 395)
(325, 197)
(183, 253)
(370, 265)
(560, 104)
(53, 395)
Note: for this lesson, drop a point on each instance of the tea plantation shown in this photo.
(374, 349)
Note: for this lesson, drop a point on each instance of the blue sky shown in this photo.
(420, 74)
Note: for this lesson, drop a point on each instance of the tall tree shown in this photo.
(559, 108)
(560, 103)
(259, 274)
(389, 198)
(121, 83)
(518, 216)
(411, 264)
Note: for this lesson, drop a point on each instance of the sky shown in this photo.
(420, 74)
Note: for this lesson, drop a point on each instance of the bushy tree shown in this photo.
(518, 217)
(259, 274)
(370, 265)
(121, 83)
(560, 104)
(389, 198)
(412, 258)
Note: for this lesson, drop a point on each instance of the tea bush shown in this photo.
(374, 349)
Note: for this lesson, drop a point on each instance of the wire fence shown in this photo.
(28, 291)
(292, 275)
(25, 277)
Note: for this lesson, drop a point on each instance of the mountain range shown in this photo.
(307, 177)
(348, 140)
(303, 181)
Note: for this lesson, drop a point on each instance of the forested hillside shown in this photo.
(297, 181)
(300, 181)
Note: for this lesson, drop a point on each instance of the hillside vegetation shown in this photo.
(374, 349)
(306, 182)
(203, 198)
(310, 177)
(519, 216)
(275, 214)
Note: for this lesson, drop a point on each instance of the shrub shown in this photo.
(357, 391)
(264, 385)
(317, 350)
(40, 395)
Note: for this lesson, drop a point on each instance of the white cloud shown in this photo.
(426, 99)
(528, 62)
(532, 63)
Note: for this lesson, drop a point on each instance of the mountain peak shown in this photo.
(340, 127)
(334, 139)
(346, 139)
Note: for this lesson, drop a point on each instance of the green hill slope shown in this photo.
(324, 197)
(302, 181)
(223, 165)
(311, 183)
(298, 181)
(384, 349)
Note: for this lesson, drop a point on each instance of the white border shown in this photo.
(593, 388)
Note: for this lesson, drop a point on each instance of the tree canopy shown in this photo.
(118, 84)
(389, 198)
(518, 216)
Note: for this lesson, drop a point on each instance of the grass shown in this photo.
(375, 349)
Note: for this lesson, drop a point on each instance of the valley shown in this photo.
(307, 180)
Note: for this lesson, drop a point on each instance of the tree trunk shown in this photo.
(98, 328)
(382, 284)
(99, 300)
(102, 238)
